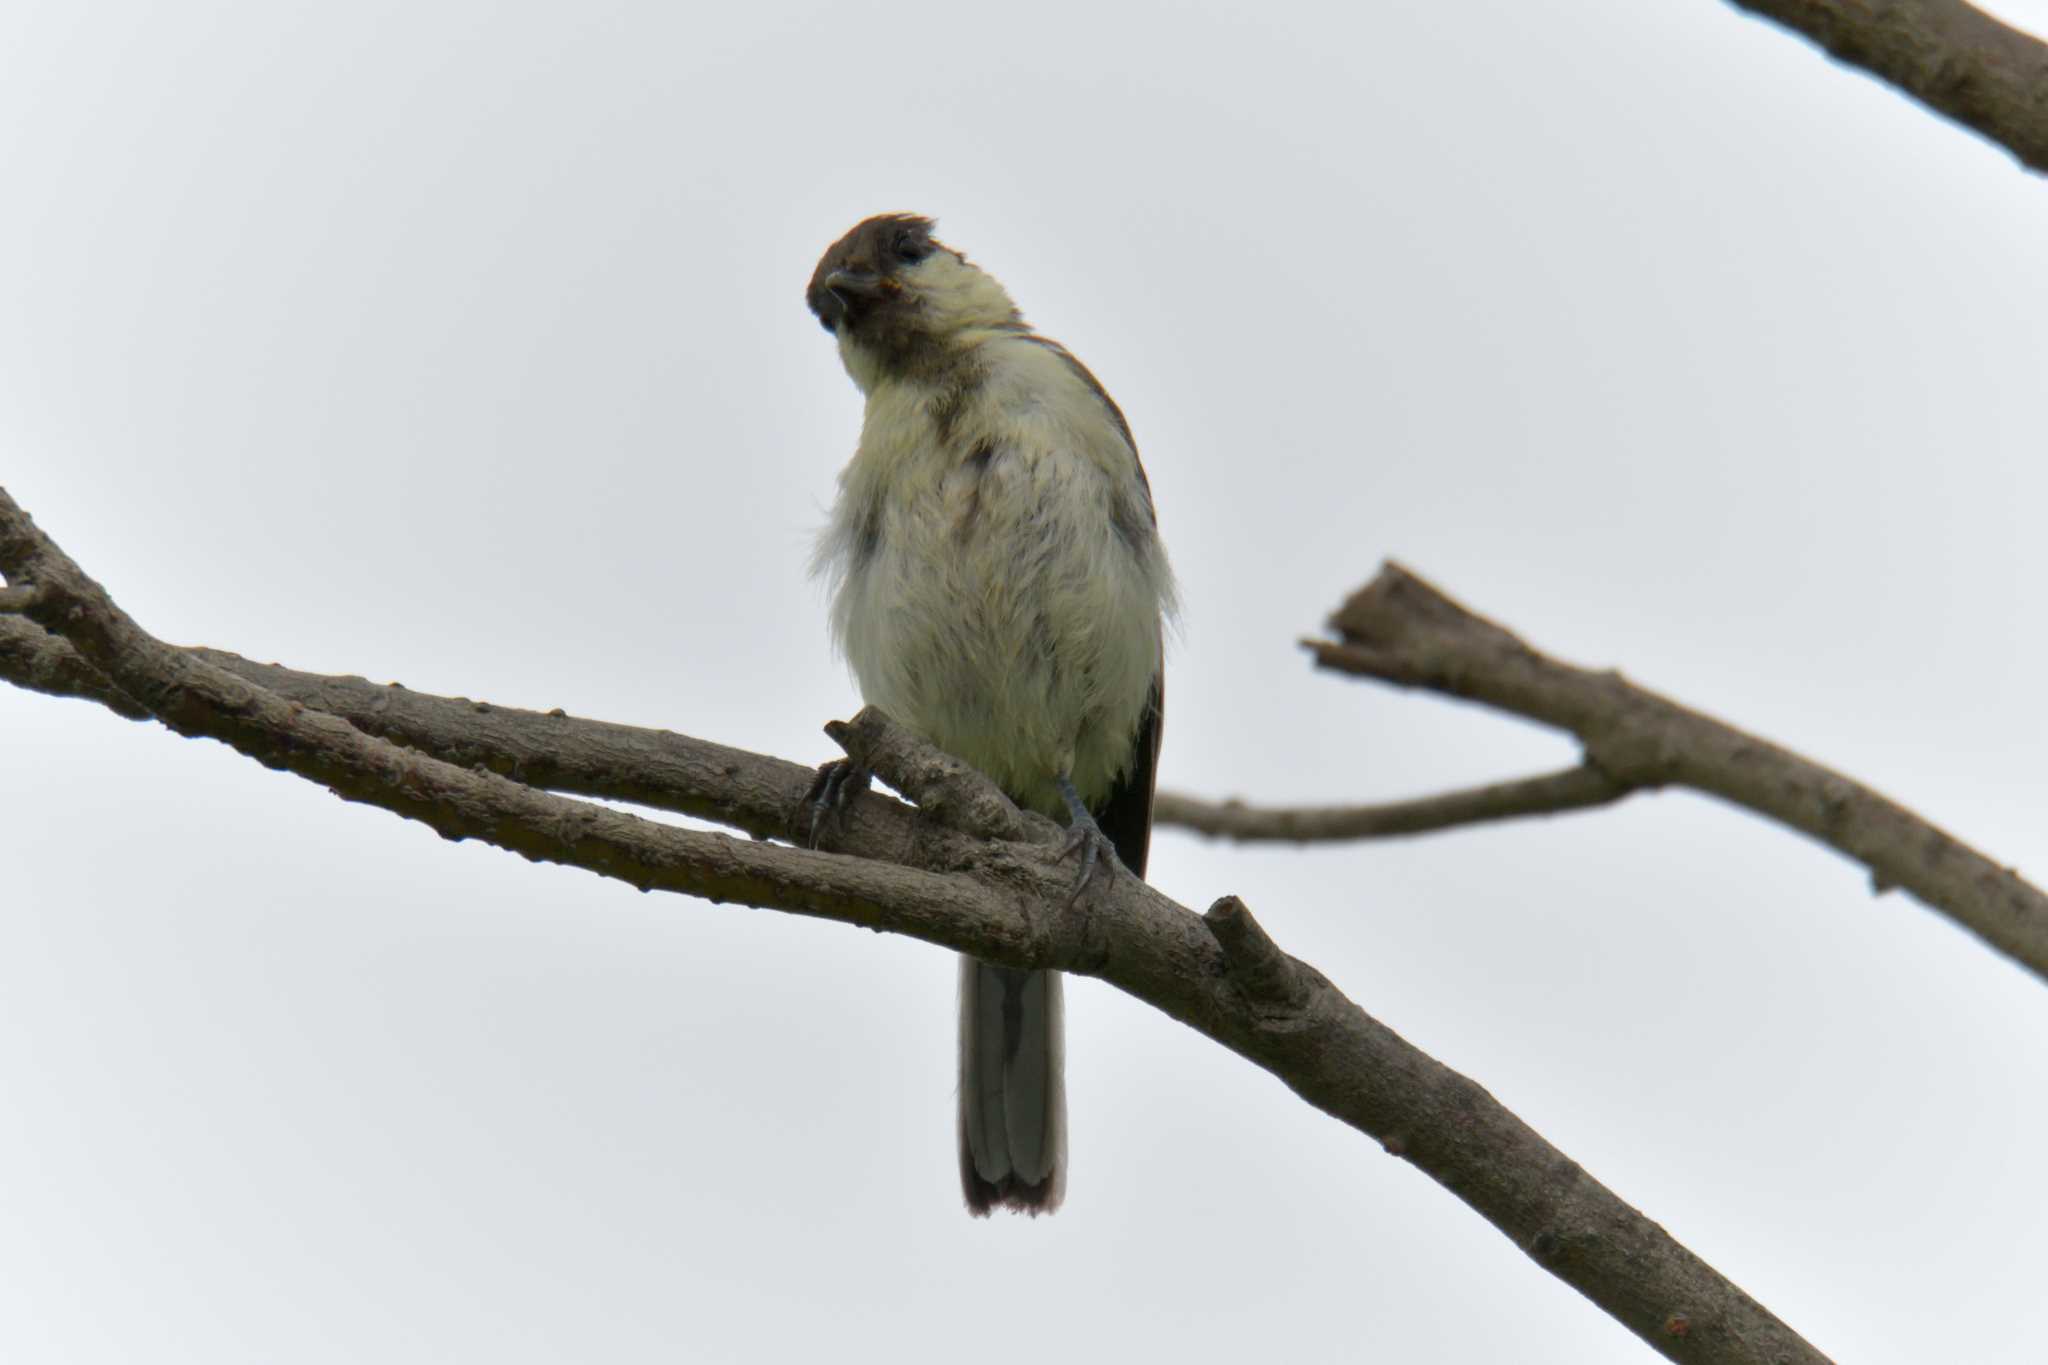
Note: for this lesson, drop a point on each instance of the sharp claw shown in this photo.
(837, 783)
(1089, 843)
(1085, 839)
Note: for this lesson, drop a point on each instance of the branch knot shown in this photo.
(1270, 980)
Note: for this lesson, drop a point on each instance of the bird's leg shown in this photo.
(838, 782)
(1085, 839)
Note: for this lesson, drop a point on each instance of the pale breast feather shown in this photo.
(1116, 414)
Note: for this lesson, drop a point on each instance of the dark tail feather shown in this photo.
(1013, 1100)
(1013, 1103)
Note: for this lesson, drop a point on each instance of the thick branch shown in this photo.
(1401, 630)
(1576, 788)
(1221, 974)
(33, 658)
(548, 749)
(1952, 57)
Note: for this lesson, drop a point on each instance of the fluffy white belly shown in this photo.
(998, 610)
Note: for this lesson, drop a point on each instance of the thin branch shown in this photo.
(1952, 57)
(1221, 974)
(1400, 629)
(1576, 788)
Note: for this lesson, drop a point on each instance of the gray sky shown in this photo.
(463, 344)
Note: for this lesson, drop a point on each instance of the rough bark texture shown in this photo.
(1402, 630)
(1952, 57)
(920, 876)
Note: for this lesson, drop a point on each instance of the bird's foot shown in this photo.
(837, 783)
(1086, 841)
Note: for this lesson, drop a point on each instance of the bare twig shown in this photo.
(1402, 630)
(1576, 788)
(1952, 57)
(1220, 975)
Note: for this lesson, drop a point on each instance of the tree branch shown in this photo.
(1400, 629)
(547, 749)
(1576, 788)
(1952, 57)
(1220, 974)
(33, 658)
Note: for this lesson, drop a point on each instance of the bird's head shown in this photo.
(900, 301)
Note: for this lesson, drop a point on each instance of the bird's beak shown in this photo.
(862, 283)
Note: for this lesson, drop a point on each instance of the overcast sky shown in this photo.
(463, 345)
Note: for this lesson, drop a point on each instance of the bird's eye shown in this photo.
(910, 247)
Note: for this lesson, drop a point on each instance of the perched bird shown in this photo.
(999, 587)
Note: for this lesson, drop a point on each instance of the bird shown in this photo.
(998, 585)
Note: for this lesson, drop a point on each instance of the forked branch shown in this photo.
(1400, 629)
(920, 875)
